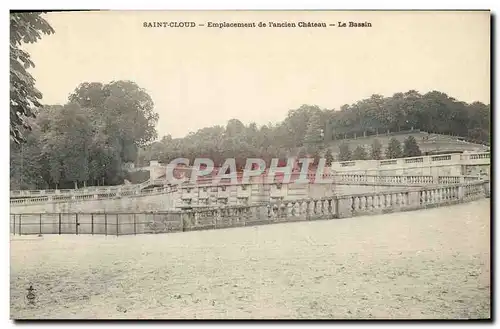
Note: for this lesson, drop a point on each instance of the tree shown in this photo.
(328, 157)
(344, 153)
(24, 97)
(376, 150)
(314, 153)
(359, 153)
(67, 143)
(411, 148)
(394, 149)
(314, 131)
(296, 124)
(124, 108)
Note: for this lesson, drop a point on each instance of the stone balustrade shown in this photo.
(475, 156)
(482, 158)
(224, 190)
(247, 215)
(450, 160)
(99, 195)
(386, 179)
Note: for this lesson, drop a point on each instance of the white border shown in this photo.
(188, 4)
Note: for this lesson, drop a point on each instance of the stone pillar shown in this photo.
(461, 193)
(344, 207)
(189, 220)
(414, 198)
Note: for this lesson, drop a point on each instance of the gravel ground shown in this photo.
(424, 264)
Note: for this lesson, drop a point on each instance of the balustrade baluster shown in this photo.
(357, 202)
(296, 208)
(362, 203)
(314, 209)
(282, 210)
(324, 207)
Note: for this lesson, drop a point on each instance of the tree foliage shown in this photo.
(24, 97)
(86, 141)
(314, 130)
(394, 149)
(376, 150)
(298, 133)
(344, 153)
(359, 153)
(329, 157)
(433, 112)
(411, 148)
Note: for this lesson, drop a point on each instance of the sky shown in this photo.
(203, 76)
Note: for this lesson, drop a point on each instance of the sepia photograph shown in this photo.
(250, 165)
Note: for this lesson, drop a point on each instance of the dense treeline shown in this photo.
(305, 129)
(88, 140)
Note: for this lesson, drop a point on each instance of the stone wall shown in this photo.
(329, 207)
(195, 196)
